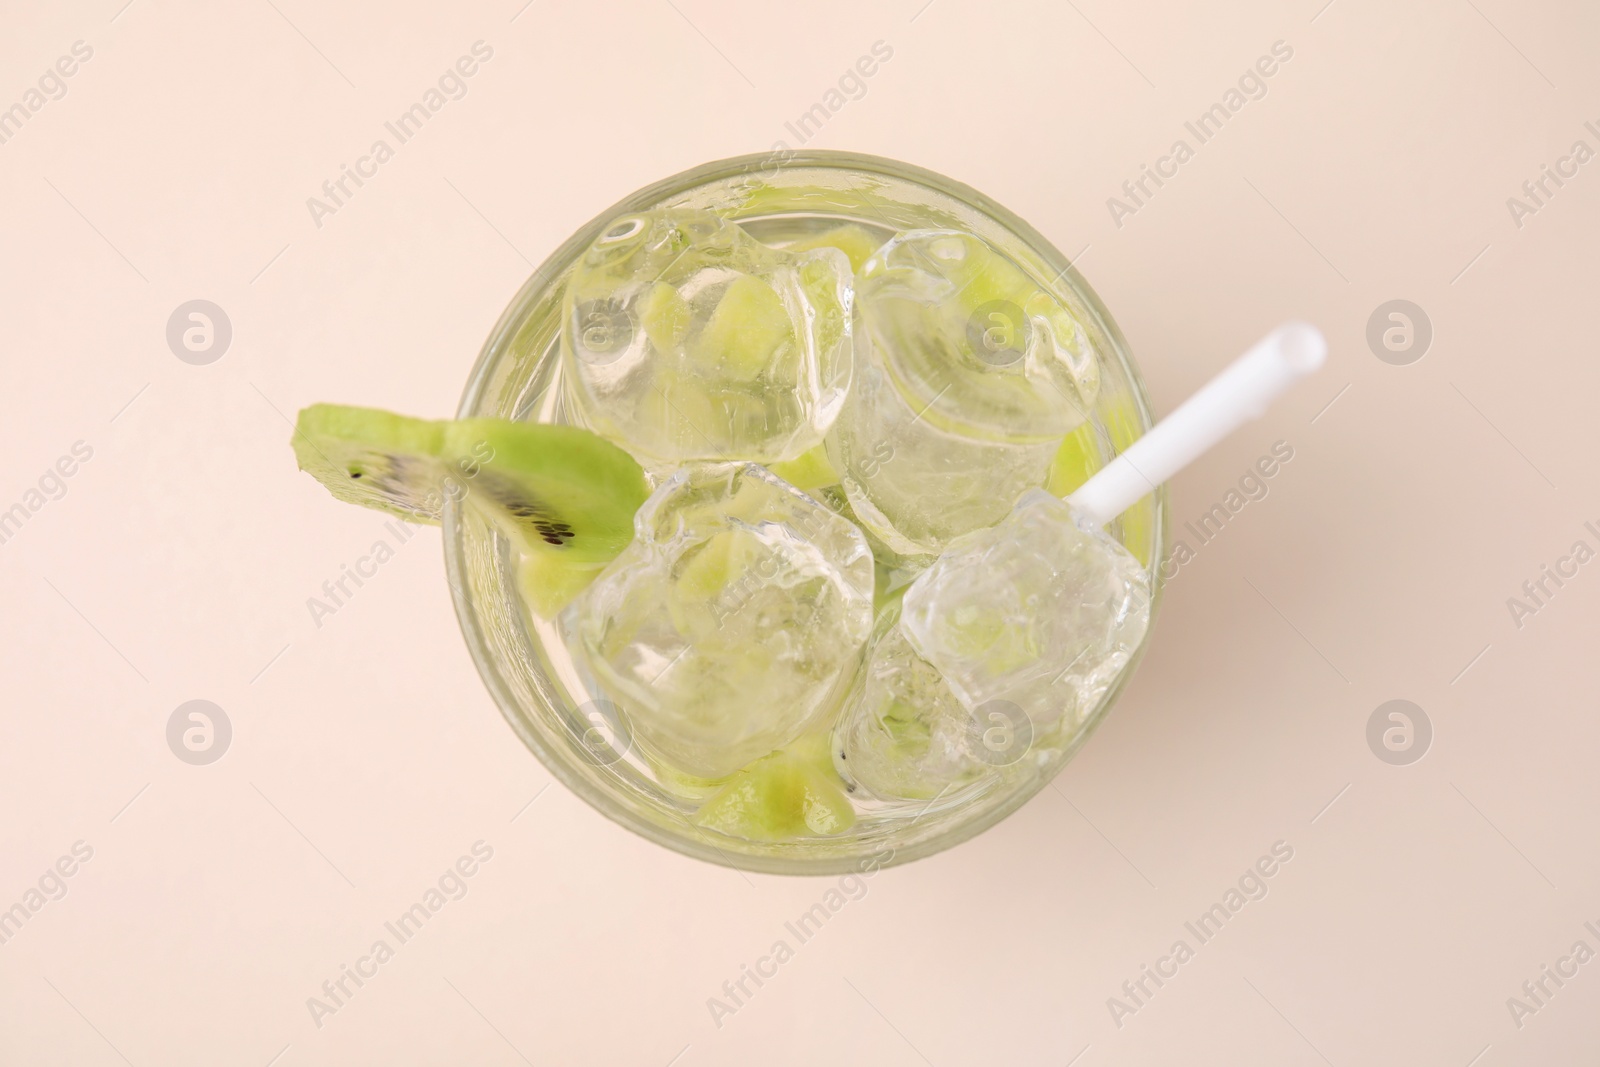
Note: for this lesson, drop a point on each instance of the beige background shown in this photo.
(366, 756)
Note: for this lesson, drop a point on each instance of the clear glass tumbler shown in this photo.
(522, 658)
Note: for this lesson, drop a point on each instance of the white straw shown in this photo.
(1240, 393)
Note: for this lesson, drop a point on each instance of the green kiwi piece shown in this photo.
(373, 458)
(555, 489)
(809, 470)
(786, 796)
(549, 581)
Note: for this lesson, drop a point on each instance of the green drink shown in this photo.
(826, 370)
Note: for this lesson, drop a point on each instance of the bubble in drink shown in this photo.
(687, 339)
(969, 374)
(731, 622)
(1037, 611)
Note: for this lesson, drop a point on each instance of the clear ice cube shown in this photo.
(732, 622)
(902, 733)
(687, 339)
(968, 375)
(1037, 611)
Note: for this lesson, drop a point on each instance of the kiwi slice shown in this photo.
(553, 489)
(745, 331)
(786, 796)
(809, 470)
(373, 458)
(549, 581)
(666, 316)
(1076, 459)
(855, 242)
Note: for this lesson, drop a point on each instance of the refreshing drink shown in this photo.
(942, 379)
(754, 513)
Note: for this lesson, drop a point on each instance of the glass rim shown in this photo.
(609, 802)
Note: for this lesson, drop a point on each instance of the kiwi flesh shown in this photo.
(788, 795)
(552, 489)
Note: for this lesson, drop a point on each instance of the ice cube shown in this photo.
(968, 375)
(732, 622)
(903, 734)
(1037, 610)
(687, 339)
